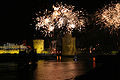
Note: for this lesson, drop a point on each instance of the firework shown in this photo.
(109, 16)
(61, 17)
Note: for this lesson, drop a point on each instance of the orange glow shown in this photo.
(57, 58)
(93, 48)
(29, 46)
(94, 64)
(60, 58)
(94, 59)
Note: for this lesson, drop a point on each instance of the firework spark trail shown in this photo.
(110, 16)
(61, 16)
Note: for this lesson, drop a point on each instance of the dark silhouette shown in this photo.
(110, 70)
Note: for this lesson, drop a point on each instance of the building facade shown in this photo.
(68, 45)
(38, 45)
(12, 48)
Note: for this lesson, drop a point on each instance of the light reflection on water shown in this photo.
(52, 70)
(67, 69)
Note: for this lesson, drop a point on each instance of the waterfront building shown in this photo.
(68, 45)
(38, 45)
(12, 48)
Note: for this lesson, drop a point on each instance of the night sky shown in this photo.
(16, 15)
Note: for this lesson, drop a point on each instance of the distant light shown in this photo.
(94, 59)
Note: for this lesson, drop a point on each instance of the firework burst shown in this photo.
(61, 17)
(109, 16)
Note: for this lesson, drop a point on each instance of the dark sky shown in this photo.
(16, 15)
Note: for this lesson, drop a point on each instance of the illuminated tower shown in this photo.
(38, 45)
(68, 45)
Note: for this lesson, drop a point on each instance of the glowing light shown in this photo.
(72, 25)
(94, 64)
(38, 45)
(57, 58)
(61, 16)
(110, 16)
(90, 50)
(94, 59)
(60, 58)
(47, 21)
(51, 28)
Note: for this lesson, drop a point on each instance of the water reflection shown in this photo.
(94, 64)
(49, 70)
(46, 70)
(59, 58)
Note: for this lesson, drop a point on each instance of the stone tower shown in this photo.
(68, 45)
(38, 45)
